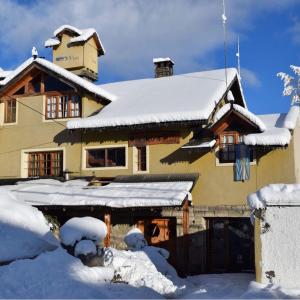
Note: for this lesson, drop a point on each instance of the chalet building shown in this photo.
(190, 136)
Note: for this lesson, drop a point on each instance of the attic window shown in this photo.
(66, 106)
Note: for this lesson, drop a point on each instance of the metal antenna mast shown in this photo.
(224, 19)
(238, 57)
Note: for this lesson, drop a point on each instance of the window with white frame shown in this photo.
(65, 106)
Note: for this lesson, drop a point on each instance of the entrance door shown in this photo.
(160, 233)
(230, 245)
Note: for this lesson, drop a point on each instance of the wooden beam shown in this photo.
(107, 221)
(185, 229)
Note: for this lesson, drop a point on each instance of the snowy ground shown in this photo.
(57, 274)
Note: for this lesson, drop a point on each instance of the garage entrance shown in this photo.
(230, 245)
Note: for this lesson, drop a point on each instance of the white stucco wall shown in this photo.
(280, 245)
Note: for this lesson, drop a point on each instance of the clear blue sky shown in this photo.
(190, 32)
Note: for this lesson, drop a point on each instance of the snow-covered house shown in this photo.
(182, 151)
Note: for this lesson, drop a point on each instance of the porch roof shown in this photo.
(48, 192)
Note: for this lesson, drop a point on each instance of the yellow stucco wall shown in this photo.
(76, 56)
(214, 187)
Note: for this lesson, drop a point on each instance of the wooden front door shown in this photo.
(230, 245)
(160, 233)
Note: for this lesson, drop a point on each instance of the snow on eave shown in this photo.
(291, 118)
(200, 145)
(52, 42)
(67, 27)
(88, 86)
(275, 195)
(162, 59)
(243, 111)
(280, 137)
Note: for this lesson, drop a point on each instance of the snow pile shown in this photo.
(135, 240)
(87, 85)
(76, 229)
(243, 111)
(275, 195)
(24, 232)
(85, 247)
(76, 192)
(58, 275)
(186, 97)
(137, 269)
(290, 121)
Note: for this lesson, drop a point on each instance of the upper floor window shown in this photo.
(227, 147)
(10, 111)
(106, 157)
(67, 106)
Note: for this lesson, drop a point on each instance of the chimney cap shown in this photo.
(162, 59)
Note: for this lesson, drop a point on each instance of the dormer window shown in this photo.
(227, 152)
(64, 106)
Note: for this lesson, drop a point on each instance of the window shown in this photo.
(227, 147)
(141, 158)
(45, 164)
(106, 157)
(67, 106)
(10, 111)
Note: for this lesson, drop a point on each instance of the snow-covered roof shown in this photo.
(82, 35)
(75, 192)
(162, 59)
(185, 97)
(278, 129)
(275, 195)
(85, 84)
(244, 112)
(4, 74)
(199, 144)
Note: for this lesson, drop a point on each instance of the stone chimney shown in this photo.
(76, 50)
(163, 67)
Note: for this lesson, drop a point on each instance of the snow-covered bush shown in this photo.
(86, 228)
(82, 237)
(24, 232)
(135, 240)
(291, 85)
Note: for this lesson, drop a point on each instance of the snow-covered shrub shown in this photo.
(82, 237)
(24, 232)
(77, 229)
(135, 240)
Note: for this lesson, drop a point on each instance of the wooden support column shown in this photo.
(107, 221)
(185, 229)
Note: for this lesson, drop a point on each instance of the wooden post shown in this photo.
(107, 220)
(185, 229)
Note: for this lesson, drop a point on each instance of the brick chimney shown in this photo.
(163, 67)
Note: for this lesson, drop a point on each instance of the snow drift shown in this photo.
(24, 232)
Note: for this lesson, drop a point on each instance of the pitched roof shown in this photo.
(81, 35)
(185, 97)
(241, 110)
(69, 76)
